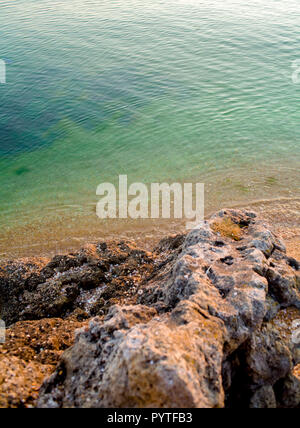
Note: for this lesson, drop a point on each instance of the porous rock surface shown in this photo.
(86, 283)
(30, 353)
(43, 302)
(212, 326)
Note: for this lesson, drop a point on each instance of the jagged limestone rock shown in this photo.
(205, 333)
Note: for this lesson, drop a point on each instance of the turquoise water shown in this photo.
(161, 90)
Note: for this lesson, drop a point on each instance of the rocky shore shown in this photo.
(207, 319)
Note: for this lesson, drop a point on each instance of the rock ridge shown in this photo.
(212, 327)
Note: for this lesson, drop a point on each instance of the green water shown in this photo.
(161, 90)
